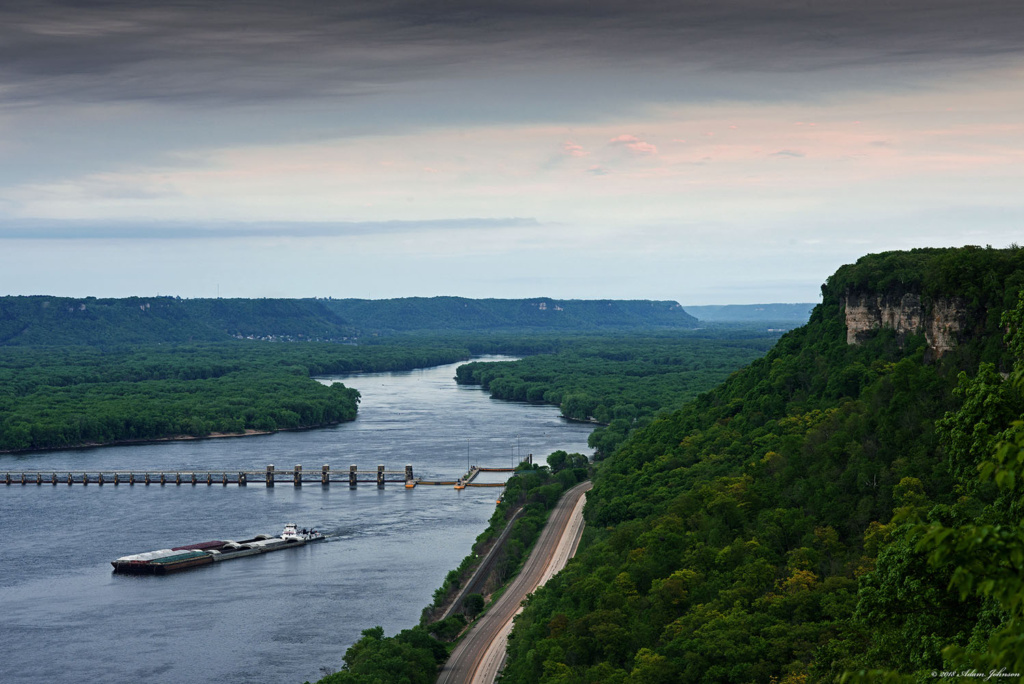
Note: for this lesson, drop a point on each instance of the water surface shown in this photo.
(283, 617)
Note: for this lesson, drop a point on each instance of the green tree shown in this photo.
(473, 604)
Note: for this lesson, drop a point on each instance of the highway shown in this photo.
(481, 654)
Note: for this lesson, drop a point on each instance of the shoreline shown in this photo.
(248, 432)
(171, 438)
(591, 420)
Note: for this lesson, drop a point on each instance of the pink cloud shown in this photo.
(634, 143)
(573, 150)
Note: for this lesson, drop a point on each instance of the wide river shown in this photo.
(283, 617)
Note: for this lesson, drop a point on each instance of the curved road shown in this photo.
(480, 655)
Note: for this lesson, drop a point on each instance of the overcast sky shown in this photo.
(704, 151)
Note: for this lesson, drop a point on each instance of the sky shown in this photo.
(702, 151)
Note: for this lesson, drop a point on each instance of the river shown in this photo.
(284, 617)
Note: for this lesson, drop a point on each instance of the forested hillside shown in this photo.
(35, 321)
(41, 320)
(832, 510)
(542, 313)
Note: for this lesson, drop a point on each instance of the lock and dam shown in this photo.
(269, 477)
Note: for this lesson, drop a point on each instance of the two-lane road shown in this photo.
(480, 655)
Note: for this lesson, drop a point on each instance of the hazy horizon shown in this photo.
(557, 299)
(735, 152)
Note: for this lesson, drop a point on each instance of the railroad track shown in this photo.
(480, 655)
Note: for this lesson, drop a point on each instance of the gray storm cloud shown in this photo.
(252, 51)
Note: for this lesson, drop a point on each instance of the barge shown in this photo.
(165, 561)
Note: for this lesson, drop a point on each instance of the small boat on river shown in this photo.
(165, 561)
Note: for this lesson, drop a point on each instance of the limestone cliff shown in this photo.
(941, 321)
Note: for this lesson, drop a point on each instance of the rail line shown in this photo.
(480, 656)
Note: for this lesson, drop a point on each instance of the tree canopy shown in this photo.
(55, 397)
(830, 511)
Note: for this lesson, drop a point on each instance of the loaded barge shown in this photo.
(180, 558)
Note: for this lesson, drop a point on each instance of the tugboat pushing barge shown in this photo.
(179, 558)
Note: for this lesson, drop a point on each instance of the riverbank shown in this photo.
(59, 397)
(392, 548)
(481, 653)
(418, 652)
(171, 438)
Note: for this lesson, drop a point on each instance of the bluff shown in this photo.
(942, 322)
(949, 296)
(817, 513)
(44, 320)
(540, 313)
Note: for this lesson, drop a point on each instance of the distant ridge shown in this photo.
(459, 313)
(750, 313)
(46, 320)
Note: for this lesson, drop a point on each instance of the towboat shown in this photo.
(166, 561)
(292, 531)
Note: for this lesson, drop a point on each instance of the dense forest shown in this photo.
(620, 382)
(60, 396)
(42, 320)
(54, 397)
(831, 512)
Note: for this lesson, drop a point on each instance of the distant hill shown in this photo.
(45, 320)
(458, 313)
(749, 313)
(42, 320)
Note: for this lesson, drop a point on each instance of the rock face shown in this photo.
(941, 322)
